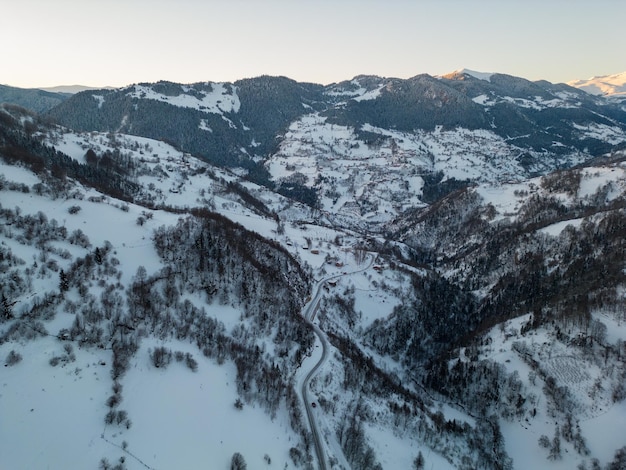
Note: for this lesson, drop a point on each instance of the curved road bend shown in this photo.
(309, 313)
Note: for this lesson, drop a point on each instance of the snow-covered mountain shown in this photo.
(611, 86)
(450, 249)
(363, 137)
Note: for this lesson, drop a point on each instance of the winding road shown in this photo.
(309, 312)
(317, 439)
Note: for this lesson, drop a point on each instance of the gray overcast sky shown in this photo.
(119, 42)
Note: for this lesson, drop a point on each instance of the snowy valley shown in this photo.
(177, 259)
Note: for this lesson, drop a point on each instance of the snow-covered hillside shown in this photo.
(174, 417)
(580, 410)
(216, 98)
(188, 431)
(367, 182)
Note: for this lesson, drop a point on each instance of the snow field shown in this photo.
(185, 419)
(53, 417)
(607, 85)
(131, 242)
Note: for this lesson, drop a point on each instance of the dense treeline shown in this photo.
(210, 255)
(270, 104)
(479, 446)
(435, 314)
(415, 103)
(483, 387)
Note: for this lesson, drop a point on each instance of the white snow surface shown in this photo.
(179, 419)
(556, 229)
(195, 412)
(218, 101)
(612, 134)
(507, 199)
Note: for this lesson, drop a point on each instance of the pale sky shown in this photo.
(119, 42)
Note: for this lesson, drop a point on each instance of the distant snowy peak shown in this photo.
(607, 85)
(217, 98)
(486, 76)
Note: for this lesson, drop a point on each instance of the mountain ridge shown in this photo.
(73, 89)
(250, 124)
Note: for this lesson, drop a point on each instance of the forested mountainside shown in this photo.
(228, 124)
(31, 98)
(461, 283)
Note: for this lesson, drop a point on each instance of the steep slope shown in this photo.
(544, 261)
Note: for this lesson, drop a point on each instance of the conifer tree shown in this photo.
(64, 283)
